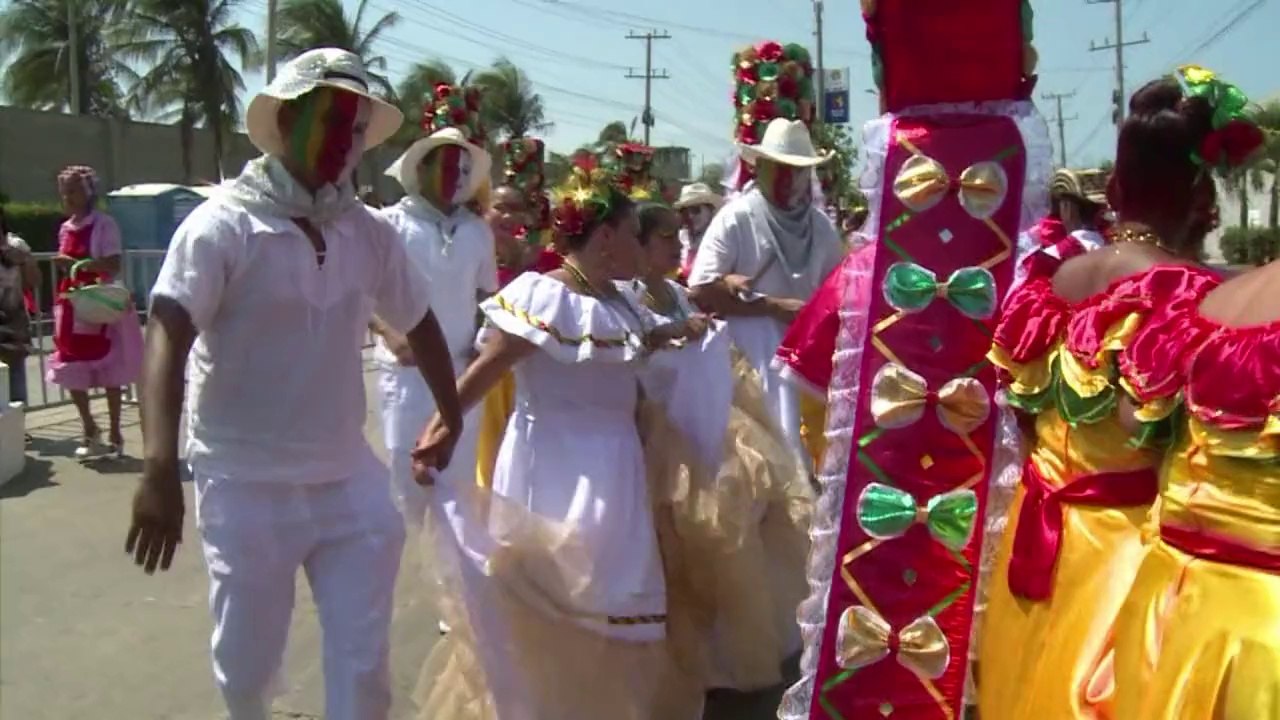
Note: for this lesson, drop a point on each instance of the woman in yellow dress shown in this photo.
(1199, 635)
(1073, 541)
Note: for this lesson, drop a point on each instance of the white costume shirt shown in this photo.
(458, 257)
(731, 246)
(276, 390)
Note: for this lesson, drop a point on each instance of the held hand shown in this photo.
(399, 346)
(158, 509)
(696, 326)
(738, 284)
(434, 450)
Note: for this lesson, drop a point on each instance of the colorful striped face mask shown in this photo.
(785, 187)
(327, 135)
(445, 176)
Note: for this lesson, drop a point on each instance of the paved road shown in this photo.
(85, 636)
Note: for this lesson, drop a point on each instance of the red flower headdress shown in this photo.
(1236, 140)
(457, 107)
(632, 165)
(771, 81)
(586, 196)
(524, 165)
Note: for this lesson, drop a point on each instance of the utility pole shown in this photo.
(649, 75)
(1062, 123)
(820, 102)
(271, 40)
(1119, 45)
(73, 61)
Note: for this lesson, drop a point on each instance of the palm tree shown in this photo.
(323, 23)
(185, 42)
(1242, 183)
(615, 133)
(35, 37)
(511, 107)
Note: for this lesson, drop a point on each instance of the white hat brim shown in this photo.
(711, 199)
(751, 153)
(405, 168)
(264, 130)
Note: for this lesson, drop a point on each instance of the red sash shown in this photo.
(1219, 549)
(1037, 540)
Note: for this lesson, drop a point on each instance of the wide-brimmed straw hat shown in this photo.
(786, 142)
(698, 193)
(1089, 185)
(322, 67)
(405, 168)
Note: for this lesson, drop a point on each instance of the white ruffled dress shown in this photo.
(555, 585)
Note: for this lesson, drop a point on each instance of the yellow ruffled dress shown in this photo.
(1199, 636)
(1046, 649)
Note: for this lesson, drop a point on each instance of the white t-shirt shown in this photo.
(276, 390)
(731, 247)
(459, 259)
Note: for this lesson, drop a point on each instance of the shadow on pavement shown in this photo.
(37, 475)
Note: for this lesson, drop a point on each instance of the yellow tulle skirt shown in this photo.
(1198, 640)
(494, 414)
(1054, 659)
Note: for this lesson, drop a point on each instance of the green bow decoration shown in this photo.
(886, 512)
(911, 288)
(1228, 101)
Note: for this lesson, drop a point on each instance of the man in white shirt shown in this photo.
(268, 287)
(697, 204)
(765, 254)
(441, 173)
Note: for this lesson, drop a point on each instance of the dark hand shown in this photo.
(696, 326)
(434, 450)
(738, 284)
(158, 510)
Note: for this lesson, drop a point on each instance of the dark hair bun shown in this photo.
(1167, 113)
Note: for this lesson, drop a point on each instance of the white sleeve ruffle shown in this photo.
(568, 326)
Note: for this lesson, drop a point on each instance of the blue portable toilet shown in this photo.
(147, 215)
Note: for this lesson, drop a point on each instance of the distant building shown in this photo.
(671, 163)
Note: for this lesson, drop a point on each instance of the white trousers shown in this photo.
(347, 537)
(407, 406)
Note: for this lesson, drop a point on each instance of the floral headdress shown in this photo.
(456, 107)
(1235, 140)
(587, 196)
(632, 167)
(771, 81)
(524, 161)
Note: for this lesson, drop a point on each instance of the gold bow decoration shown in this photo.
(922, 182)
(865, 638)
(899, 398)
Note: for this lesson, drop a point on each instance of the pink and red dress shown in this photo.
(88, 356)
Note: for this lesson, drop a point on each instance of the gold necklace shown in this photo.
(1140, 235)
(580, 278)
(669, 306)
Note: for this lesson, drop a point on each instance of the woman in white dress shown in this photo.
(739, 499)
(559, 602)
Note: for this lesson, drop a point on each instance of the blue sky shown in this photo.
(576, 53)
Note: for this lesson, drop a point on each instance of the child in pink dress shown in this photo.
(88, 356)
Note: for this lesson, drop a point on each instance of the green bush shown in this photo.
(1250, 245)
(36, 223)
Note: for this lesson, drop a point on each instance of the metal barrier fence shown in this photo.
(139, 269)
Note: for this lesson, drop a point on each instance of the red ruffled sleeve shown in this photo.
(1234, 378)
(807, 351)
(1033, 321)
(1149, 322)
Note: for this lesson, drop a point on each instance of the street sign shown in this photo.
(835, 103)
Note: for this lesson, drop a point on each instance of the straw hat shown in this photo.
(697, 193)
(405, 168)
(1089, 185)
(322, 67)
(786, 142)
